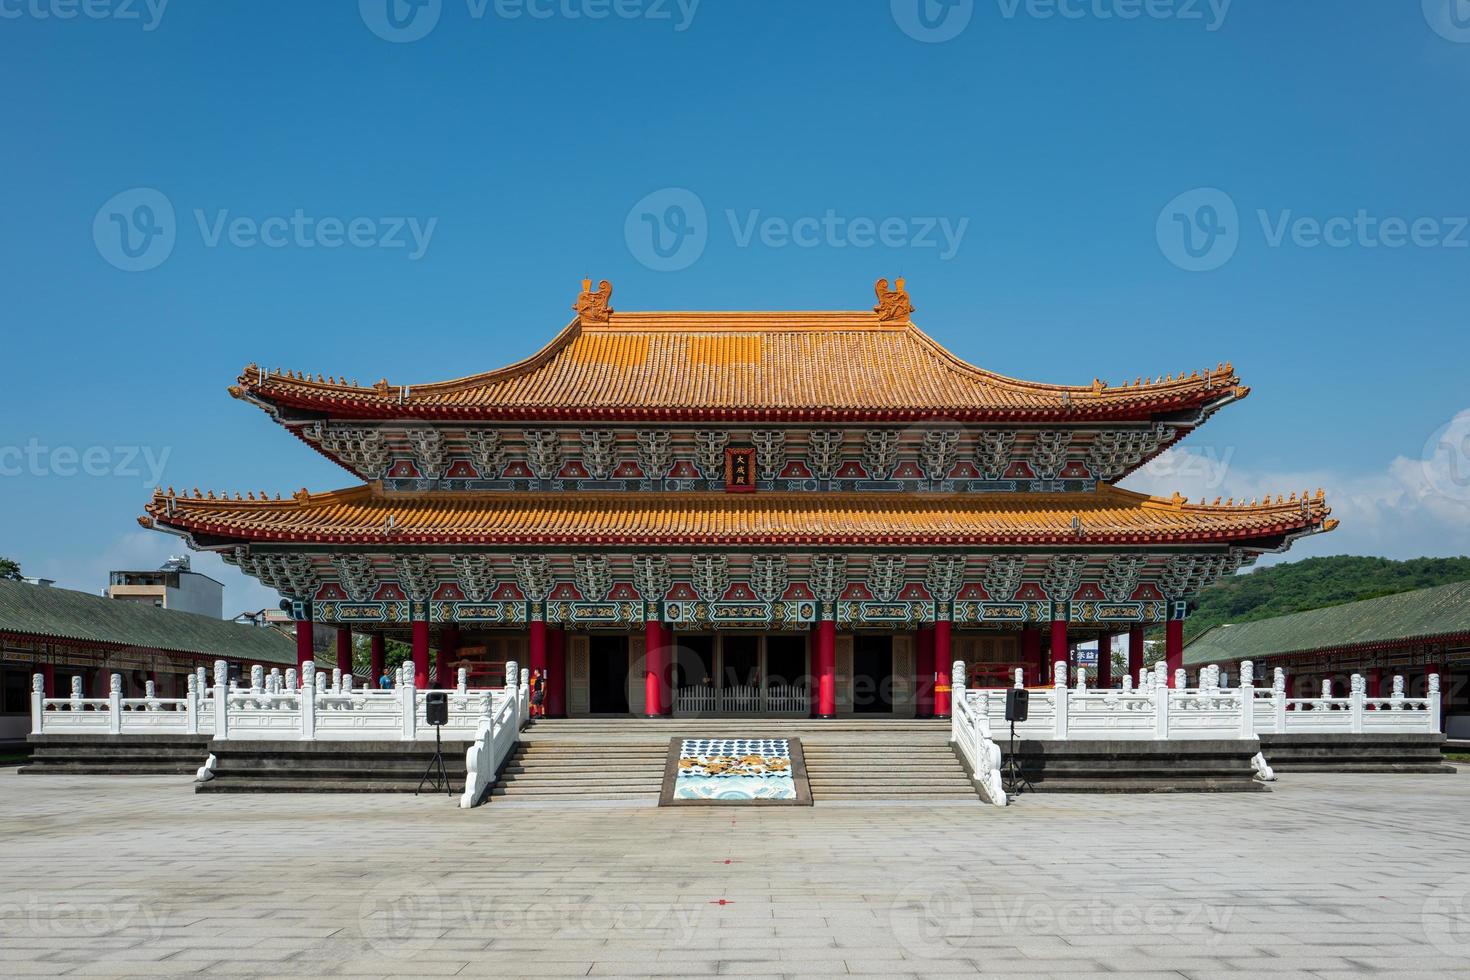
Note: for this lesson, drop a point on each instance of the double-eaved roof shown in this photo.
(779, 367)
(1436, 615)
(62, 615)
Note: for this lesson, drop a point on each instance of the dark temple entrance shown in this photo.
(607, 661)
(872, 675)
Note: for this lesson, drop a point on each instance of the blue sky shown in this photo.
(431, 205)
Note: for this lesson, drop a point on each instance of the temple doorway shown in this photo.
(741, 674)
(872, 674)
(607, 660)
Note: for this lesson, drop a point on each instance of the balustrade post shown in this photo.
(1432, 683)
(114, 705)
(1278, 699)
(1059, 669)
(1161, 701)
(38, 698)
(957, 699)
(1356, 707)
(512, 691)
(1247, 699)
(409, 701)
(191, 705)
(309, 689)
(76, 694)
(462, 680)
(221, 699)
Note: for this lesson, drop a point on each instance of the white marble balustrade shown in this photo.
(1153, 710)
(273, 706)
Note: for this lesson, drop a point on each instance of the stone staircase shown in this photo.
(1381, 753)
(116, 755)
(623, 759)
(1173, 766)
(246, 766)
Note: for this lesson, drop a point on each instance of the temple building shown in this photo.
(772, 513)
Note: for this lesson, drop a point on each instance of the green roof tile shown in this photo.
(1442, 611)
(67, 615)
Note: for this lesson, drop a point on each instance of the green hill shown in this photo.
(1317, 582)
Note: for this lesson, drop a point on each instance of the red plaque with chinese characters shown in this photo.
(739, 470)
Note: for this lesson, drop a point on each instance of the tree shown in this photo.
(9, 570)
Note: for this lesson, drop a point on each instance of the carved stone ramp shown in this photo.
(847, 760)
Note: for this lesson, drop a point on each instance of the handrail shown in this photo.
(495, 737)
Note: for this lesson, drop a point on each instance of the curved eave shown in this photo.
(1289, 521)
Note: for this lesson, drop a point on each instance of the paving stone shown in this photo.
(137, 876)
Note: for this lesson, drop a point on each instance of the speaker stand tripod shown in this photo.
(1013, 779)
(440, 778)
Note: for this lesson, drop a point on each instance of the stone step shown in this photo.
(320, 786)
(86, 768)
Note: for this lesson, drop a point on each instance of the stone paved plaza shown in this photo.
(1326, 876)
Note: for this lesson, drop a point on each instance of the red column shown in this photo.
(943, 667)
(653, 668)
(826, 679)
(1373, 682)
(48, 676)
(536, 657)
(1173, 647)
(924, 673)
(1135, 651)
(556, 675)
(1030, 656)
(1059, 650)
(1105, 661)
(448, 653)
(344, 649)
(379, 658)
(420, 653)
(304, 652)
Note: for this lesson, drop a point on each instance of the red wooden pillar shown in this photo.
(943, 667)
(1135, 651)
(556, 675)
(421, 651)
(1373, 682)
(304, 652)
(48, 677)
(379, 658)
(344, 649)
(536, 653)
(1059, 651)
(924, 673)
(1032, 660)
(448, 652)
(1173, 647)
(653, 668)
(1105, 661)
(826, 686)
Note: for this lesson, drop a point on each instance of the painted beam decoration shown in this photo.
(767, 592)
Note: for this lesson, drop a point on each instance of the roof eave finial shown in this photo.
(893, 304)
(594, 306)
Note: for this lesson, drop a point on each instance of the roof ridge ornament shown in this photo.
(592, 307)
(893, 304)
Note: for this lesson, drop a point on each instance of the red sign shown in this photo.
(740, 470)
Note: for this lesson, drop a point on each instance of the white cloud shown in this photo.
(1411, 508)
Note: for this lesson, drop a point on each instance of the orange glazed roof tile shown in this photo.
(367, 516)
(772, 366)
